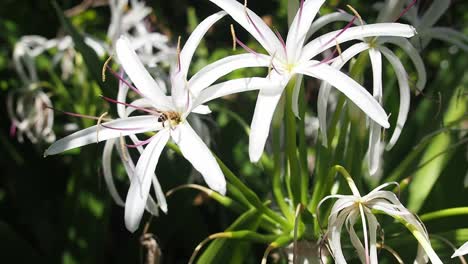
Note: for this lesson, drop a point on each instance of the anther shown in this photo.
(356, 14)
(104, 67)
(234, 38)
(178, 53)
(97, 127)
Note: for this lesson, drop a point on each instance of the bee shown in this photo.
(169, 116)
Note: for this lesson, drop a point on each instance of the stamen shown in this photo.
(341, 31)
(272, 65)
(97, 125)
(123, 149)
(178, 54)
(246, 48)
(405, 10)
(141, 143)
(120, 78)
(281, 39)
(121, 128)
(234, 38)
(103, 71)
(12, 130)
(78, 115)
(246, 10)
(356, 14)
(301, 7)
(153, 112)
(338, 48)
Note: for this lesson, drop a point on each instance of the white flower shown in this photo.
(166, 114)
(375, 47)
(293, 58)
(463, 250)
(347, 210)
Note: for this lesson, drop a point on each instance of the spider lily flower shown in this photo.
(463, 250)
(125, 111)
(376, 47)
(348, 209)
(292, 59)
(165, 114)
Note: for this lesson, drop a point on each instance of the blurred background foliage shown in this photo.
(58, 210)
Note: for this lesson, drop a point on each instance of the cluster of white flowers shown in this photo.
(161, 114)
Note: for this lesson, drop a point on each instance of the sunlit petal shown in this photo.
(195, 151)
(139, 190)
(105, 131)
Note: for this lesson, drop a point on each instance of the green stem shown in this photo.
(276, 175)
(251, 196)
(457, 211)
(303, 148)
(291, 146)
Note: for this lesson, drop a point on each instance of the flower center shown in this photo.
(170, 118)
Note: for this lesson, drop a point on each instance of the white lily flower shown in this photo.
(347, 210)
(167, 115)
(376, 47)
(293, 58)
(463, 250)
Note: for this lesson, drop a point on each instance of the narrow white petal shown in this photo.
(357, 244)
(139, 75)
(413, 54)
(202, 110)
(139, 190)
(329, 18)
(325, 88)
(334, 235)
(212, 72)
(375, 130)
(463, 250)
(405, 94)
(160, 196)
(195, 151)
(193, 41)
(107, 171)
(264, 35)
(122, 97)
(129, 166)
(299, 27)
(330, 39)
(373, 225)
(260, 127)
(295, 96)
(94, 134)
(234, 86)
(349, 87)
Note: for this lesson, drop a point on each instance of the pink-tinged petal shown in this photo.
(141, 183)
(299, 27)
(253, 24)
(212, 72)
(197, 153)
(139, 75)
(232, 87)
(322, 21)
(105, 131)
(405, 94)
(317, 45)
(267, 101)
(375, 144)
(463, 250)
(325, 87)
(349, 87)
